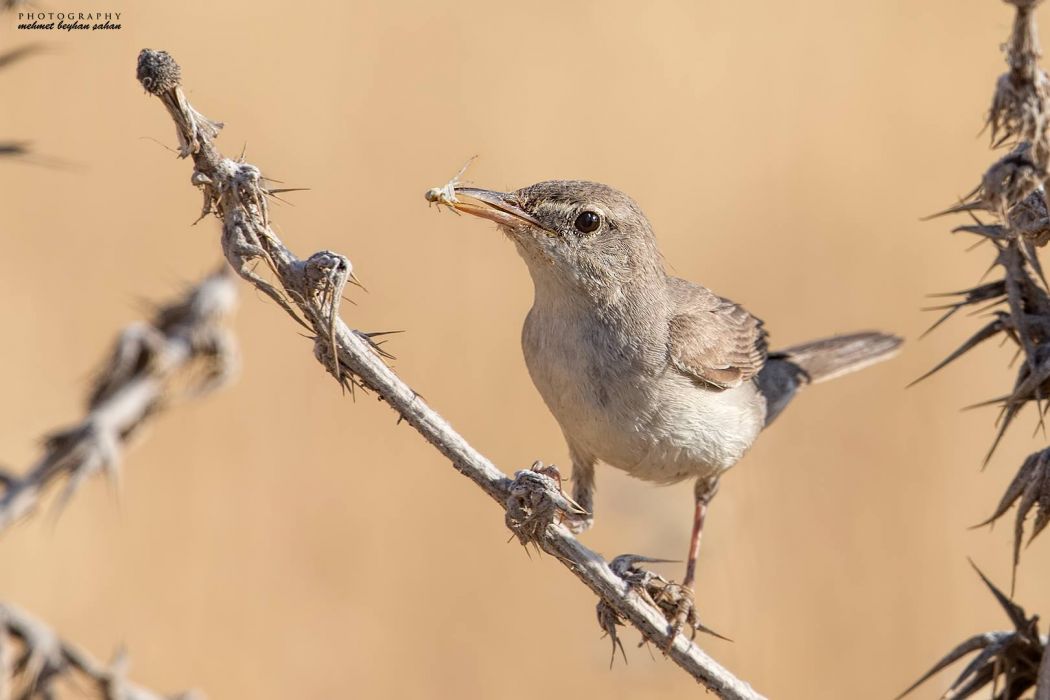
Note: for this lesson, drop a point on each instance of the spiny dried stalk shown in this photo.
(1008, 661)
(234, 191)
(35, 662)
(1013, 192)
(183, 352)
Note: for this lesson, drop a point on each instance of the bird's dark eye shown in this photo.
(588, 222)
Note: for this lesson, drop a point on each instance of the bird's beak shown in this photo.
(500, 207)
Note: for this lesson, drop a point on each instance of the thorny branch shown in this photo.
(183, 351)
(308, 290)
(34, 660)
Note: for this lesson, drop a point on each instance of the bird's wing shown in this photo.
(711, 339)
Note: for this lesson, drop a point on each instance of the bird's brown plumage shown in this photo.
(712, 339)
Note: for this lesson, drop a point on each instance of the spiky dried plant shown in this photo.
(1009, 212)
(35, 662)
(184, 351)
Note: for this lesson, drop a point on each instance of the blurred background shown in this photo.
(280, 540)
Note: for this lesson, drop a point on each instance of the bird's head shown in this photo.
(585, 235)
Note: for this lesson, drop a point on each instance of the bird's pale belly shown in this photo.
(663, 428)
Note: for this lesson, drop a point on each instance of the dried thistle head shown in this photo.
(1018, 110)
(158, 71)
(1010, 180)
(536, 501)
(1029, 220)
(160, 75)
(1019, 106)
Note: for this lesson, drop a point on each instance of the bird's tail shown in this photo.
(790, 369)
(829, 358)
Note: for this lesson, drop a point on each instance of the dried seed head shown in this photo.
(1010, 179)
(1030, 213)
(157, 71)
(536, 501)
(1019, 107)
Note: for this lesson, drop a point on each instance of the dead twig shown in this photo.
(34, 660)
(236, 193)
(184, 351)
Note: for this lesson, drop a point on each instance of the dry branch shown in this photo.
(183, 351)
(34, 660)
(310, 290)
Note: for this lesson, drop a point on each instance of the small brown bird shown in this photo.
(645, 372)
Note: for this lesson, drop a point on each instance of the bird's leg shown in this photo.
(705, 490)
(680, 598)
(582, 489)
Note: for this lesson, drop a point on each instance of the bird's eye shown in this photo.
(588, 222)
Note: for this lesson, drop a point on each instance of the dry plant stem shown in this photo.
(1013, 191)
(185, 341)
(33, 659)
(234, 193)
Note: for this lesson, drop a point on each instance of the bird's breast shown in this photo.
(615, 397)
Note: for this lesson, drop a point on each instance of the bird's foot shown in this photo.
(536, 501)
(672, 599)
(676, 603)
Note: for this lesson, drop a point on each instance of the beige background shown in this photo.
(280, 541)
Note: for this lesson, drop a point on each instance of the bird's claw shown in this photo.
(672, 599)
(676, 603)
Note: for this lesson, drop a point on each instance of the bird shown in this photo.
(643, 371)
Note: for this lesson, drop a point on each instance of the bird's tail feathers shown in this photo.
(829, 358)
